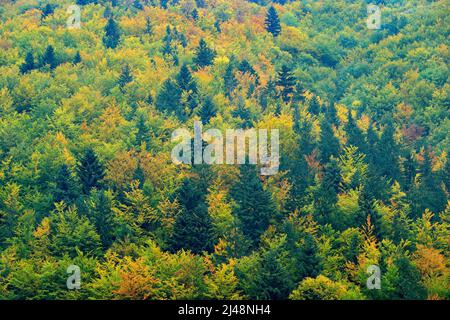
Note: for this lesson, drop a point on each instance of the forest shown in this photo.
(92, 90)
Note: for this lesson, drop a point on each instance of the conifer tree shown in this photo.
(90, 171)
(208, 110)
(286, 81)
(310, 262)
(255, 206)
(48, 10)
(148, 26)
(125, 77)
(28, 65)
(229, 81)
(204, 55)
(66, 186)
(77, 58)
(49, 58)
(273, 22)
(329, 144)
(314, 106)
(169, 99)
(112, 34)
(193, 229)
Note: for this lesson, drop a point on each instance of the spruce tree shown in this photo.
(273, 22)
(354, 134)
(28, 65)
(66, 186)
(229, 81)
(255, 206)
(208, 110)
(112, 34)
(193, 229)
(169, 99)
(148, 26)
(204, 55)
(47, 11)
(143, 132)
(310, 262)
(286, 81)
(90, 171)
(77, 58)
(329, 144)
(314, 106)
(49, 58)
(125, 77)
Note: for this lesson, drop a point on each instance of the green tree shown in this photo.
(273, 22)
(28, 64)
(112, 34)
(125, 77)
(90, 171)
(49, 58)
(286, 81)
(66, 186)
(255, 207)
(204, 55)
(208, 110)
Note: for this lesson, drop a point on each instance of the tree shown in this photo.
(193, 228)
(286, 81)
(314, 106)
(76, 58)
(47, 11)
(208, 110)
(73, 232)
(204, 55)
(90, 171)
(125, 77)
(66, 186)
(229, 81)
(310, 262)
(28, 65)
(328, 144)
(112, 34)
(169, 99)
(255, 207)
(148, 26)
(143, 133)
(188, 87)
(273, 22)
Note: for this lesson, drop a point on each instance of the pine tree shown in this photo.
(286, 81)
(28, 65)
(66, 187)
(143, 133)
(273, 278)
(47, 11)
(208, 110)
(204, 55)
(354, 134)
(229, 81)
(185, 80)
(273, 22)
(125, 77)
(255, 206)
(77, 58)
(329, 144)
(193, 229)
(310, 262)
(148, 26)
(90, 171)
(49, 57)
(138, 5)
(194, 14)
(169, 99)
(314, 106)
(112, 34)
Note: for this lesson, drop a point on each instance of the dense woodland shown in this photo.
(86, 177)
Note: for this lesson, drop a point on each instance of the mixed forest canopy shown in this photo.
(86, 178)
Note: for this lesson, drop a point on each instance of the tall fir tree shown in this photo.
(208, 110)
(111, 38)
(255, 207)
(90, 171)
(28, 64)
(66, 188)
(169, 99)
(273, 22)
(193, 228)
(204, 55)
(229, 81)
(286, 81)
(329, 143)
(125, 77)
